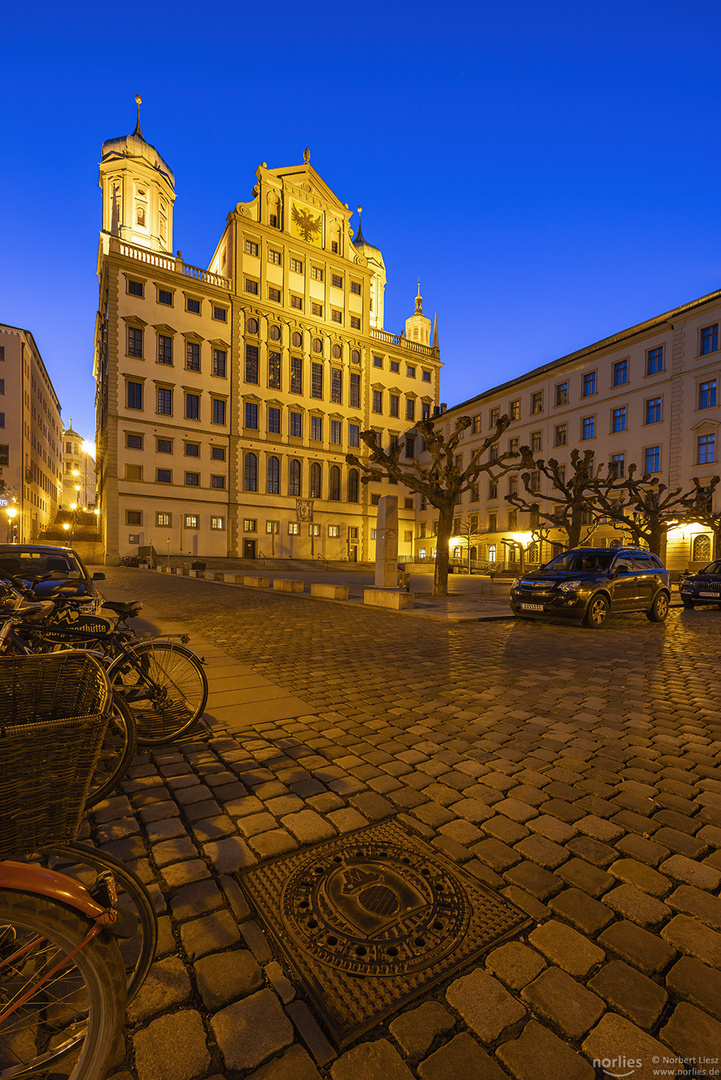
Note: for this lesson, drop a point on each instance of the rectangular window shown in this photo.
(620, 373)
(426, 410)
(334, 530)
(514, 410)
(134, 442)
(410, 409)
(317, 310)
(314, 529)
(654, 361)
(135, 341)
(192, 305)
(274, 257)
(133, 517)
(653, 410)
(220, 313)
(707, 394)
(165, 401)
(336, 386)
(251, 364)
(618, 419)
(165, 349)
(618, 465)
(652, 459)
(297, 265)
(335, 432)
(164, 446)
(164, 476)
(133, 394)
(537, 402)
(535, 440)
(513, 446)
(588, 427)
(378, 401)
(562, 393)
(336, 316)
(355, 391)
(251, 248)
(191, 521)
(250, 524)
(296, 375)
(426, 376)
(494, 417)
(192, 356)
(296, 302)
(378, 362)
(293, 528)
(165, 297)
(336, 280)
(192, 406)
(192, 449)
(316, 273)
(217, 481)
(217, 453)
(296, 425)
(273, 420)
(706, 449)
(560, 435)
(709, 339)
(355, 322)
(220, 358)
(273, 294)
(133, 472)
(135, 288)
(410, 446)
(217, 411)
(251, 286)
(316, 381)
(217, 523)
(192, 479)
(272, 527)
(316, 428)
(355, 288)
(274, 370)
(251, 415)
(353, 435)
(410, 371)
(164, 520)
(589, 384)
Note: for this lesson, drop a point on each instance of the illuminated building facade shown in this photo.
(30, 438)
(78, 471)
(228, 398)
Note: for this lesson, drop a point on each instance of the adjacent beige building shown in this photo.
(228, 398)
(78, 472)
(30, 439)
(648, 395)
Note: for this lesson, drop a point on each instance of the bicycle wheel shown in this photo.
(78, 1013)
(116, 753)
(164, 686)
(85, 864)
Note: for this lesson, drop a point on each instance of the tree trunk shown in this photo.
(656, 536)
(445, 531)
(575, 524)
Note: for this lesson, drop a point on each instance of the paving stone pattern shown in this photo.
(575, 772)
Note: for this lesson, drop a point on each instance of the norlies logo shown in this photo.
(618, 1066)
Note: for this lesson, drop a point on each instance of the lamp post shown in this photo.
(66, 527)
(11, 512)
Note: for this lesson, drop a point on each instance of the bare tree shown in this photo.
(440, 479)
(571, 497)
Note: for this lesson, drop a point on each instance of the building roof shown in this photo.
(136, 146)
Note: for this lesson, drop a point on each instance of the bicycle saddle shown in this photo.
(129, 609)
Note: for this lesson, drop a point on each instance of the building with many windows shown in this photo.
(228, 398)
(78, 471)
(648, 395)
(30, 438)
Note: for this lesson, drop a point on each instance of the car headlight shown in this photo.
(515, 583)
(570, 586)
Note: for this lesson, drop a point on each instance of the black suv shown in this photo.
(703, 586)
(585, 584)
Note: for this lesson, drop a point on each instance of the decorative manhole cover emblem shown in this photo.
(374, 918)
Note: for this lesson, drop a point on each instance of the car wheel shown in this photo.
(659, 608)
(690, 604)
(596, 612)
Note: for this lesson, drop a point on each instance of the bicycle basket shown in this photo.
(52, 722)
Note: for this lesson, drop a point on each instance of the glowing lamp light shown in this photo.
(11, 511)
(66, 526)
(88, 447)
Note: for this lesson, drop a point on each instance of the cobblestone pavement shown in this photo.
(573, 771)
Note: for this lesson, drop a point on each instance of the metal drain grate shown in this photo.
(372, 919)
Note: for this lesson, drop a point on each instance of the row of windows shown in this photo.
(165, 352)
(165, 476)
(250, 525)
(316, 484)
(167, 298)
(134, 394)
(394, 405)
(134, 441)
(317, 273)
(190, 521)
(295, 425)
(252, 328)
(252, 287)
(410, 368)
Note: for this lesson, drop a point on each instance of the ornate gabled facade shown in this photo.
(228, 398)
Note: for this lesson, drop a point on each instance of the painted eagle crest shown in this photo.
(306, 224)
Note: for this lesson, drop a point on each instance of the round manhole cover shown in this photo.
(374, 908)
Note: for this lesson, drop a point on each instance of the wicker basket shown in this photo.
(53, 714)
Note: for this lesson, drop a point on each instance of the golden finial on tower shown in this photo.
(306, 155)
(138, 102)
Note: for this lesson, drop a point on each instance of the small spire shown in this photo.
(359, 234)
(434, 342)
(306, 155)
(138, 102)
(419, 300)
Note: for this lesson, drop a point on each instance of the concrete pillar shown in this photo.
(387, 543)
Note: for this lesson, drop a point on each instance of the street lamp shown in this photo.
(11, 512)
(66, 527)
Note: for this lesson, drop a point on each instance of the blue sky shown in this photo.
(550, 171)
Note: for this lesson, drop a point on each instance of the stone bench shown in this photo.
(234, 579)
(257, 582)
(397, 599)
(287, 585)
(196, 573)
(329, 592)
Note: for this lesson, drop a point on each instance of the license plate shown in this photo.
(714, 594)
(531, 607)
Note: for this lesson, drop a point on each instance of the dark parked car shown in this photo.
(29, 561)
(703, 587)
(586, 584)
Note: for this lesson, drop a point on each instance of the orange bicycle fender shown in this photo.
(30, 878)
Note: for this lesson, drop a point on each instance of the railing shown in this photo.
(404, 342)
(167, 262)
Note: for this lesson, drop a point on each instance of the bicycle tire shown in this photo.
(164, 686)
(116, 753)
(80, 1011)
(137, 952)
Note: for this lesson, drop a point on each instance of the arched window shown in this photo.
(251, 472)
(251, 326)
(273, 477)
(274, 333)
(334, 491)
(533, 553)
(315, 481)
(294, 477)
(491, 552)
(701, 551)
(352, 485)
(296, 339)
